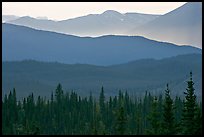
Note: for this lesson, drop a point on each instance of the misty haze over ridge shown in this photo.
(182, 26)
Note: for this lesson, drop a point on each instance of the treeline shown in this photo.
(68, 113)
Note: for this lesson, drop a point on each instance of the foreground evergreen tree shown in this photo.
(168, 124)
(198, 121)
(67, 113)
(178, 106)
(59, 93)
(121, 121)
(102, 102)
(189, 110)
(154, 117)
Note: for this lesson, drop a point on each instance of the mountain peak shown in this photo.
(188, 8)
(111, 12)
(26, 17)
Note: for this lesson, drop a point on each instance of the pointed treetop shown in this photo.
(167, 89)
(167, 86)
(191, 75)
(102, 88)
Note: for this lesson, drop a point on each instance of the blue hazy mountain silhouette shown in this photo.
(109, 22)
(180, 26)
(6, 18)
(20, 43)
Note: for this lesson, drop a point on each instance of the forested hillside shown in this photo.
(136, 77)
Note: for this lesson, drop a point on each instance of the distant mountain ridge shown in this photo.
(6, 18)
(180, 26)
(20, 43)
(109, 22)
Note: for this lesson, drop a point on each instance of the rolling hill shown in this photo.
(20, 43)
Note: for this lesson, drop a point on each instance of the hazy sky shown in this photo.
(65, 10)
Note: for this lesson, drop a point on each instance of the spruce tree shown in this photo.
(189, 109)
(198, 121)
(168, 125)
(153, 118)
(121, 121)
(59, 93)
(102, 103)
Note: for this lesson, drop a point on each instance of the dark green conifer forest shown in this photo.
(67, 113)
